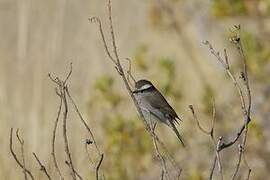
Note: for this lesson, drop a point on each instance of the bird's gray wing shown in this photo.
(156, 100)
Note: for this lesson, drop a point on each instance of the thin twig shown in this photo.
(162, 175)
(129, 74)
(97, 20)
(240, 149)
(245, 78)
(211, 134)
(218, 157)
(25, 170)
(239, 90)
(62, 94)
(245, 106)
(98, 166)
(21, 141)
(160, 157)
(246, 163)
(65, 113)
(86, 126)
(197, 121)
(82, 120)
(213, 168)
(76, 173)
(42, 167)
(54, 137)
(69, 74)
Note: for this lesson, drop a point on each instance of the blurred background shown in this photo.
(164, 40)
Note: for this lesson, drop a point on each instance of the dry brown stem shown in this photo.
(62, 91)
(21, 164)
(42, 167)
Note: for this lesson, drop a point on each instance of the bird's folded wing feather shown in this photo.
(156, 100)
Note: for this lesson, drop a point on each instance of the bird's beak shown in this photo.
(135, 91)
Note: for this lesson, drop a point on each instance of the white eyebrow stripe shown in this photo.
(146, 86)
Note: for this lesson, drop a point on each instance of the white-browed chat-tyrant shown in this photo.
(155, 106)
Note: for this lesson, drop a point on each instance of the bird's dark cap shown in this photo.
(141, 83)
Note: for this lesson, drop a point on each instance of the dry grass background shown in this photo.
(39, 36)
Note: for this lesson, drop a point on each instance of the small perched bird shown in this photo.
(154, 105)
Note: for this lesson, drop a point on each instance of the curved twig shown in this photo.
(42, 167)
(98, 166)
(54, 137)
(82, 120)
(22, 165)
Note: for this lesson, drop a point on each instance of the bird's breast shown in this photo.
(149, 112)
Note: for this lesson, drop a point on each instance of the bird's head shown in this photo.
(143, 85)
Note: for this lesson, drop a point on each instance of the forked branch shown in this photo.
(62, 91)
(245, 102)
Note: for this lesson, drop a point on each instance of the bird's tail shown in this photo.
(177, 133)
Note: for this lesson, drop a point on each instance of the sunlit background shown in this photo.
(163, 39)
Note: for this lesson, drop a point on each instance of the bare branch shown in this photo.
(97, 20)
(112, 34)
(218, 157)
(42, 167)
(197, 121)
(211, 134)
(54, 137)
(213, 119)
(61, 92)
(158, 154)
(76, 173)
(67, 151)
(162, 175)
(245, 106)
(240, 93)
(55, 80)
(226, 59)
(215, 53)
(87, 128)
(161, 159)
(213, 168)
(21, 164)
(248, 176)
(21, 141)
(129, 74)
(98, 166)
(246, 113)
(240, 149)
(82, 120)
(246, 163)
(69, 74)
